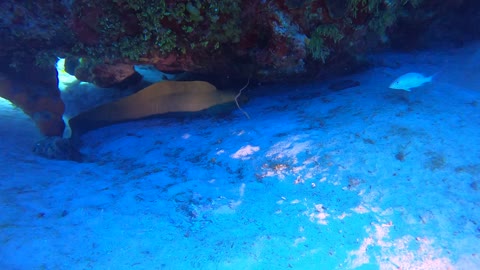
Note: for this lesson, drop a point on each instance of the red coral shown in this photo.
(174, 62)
(84, 24)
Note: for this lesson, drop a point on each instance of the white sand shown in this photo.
(312, 181)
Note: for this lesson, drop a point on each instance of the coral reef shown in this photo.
(263, 40)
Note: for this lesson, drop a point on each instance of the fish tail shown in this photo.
(433, 76)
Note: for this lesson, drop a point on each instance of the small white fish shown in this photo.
(410, 80)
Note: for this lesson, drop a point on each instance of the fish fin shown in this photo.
(433, 76)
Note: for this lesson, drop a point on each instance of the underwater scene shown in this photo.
(240, 134)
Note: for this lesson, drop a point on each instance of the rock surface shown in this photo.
(57, 148)
(38, 97)
(281, 40)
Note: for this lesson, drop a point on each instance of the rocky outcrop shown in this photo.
(57, 148)
(38, 97)
(106, 76)
(277, 40)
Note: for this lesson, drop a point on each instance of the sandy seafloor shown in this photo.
(361, 178)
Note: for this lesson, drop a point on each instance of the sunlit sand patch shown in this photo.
(378, 248)
(289, 148)
(233, 204)
(299, 180)
(239, 133)
(424, 258)
(360, 209)
(299, 240)
(319, 215)
(296, 201)
(282, 170)
(359, 257)
(241, 189)
(245, 152)
(6, 103)
(64, 79)
(292, 157)
(298, 169)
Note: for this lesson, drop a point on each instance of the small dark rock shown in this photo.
(57, 148)
(475, 185)
(400, 156)
(344, 84)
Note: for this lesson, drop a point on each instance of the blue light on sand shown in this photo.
(365, 177)
(64, 79)
(5, 103)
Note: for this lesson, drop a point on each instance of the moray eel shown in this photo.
(156, 99)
